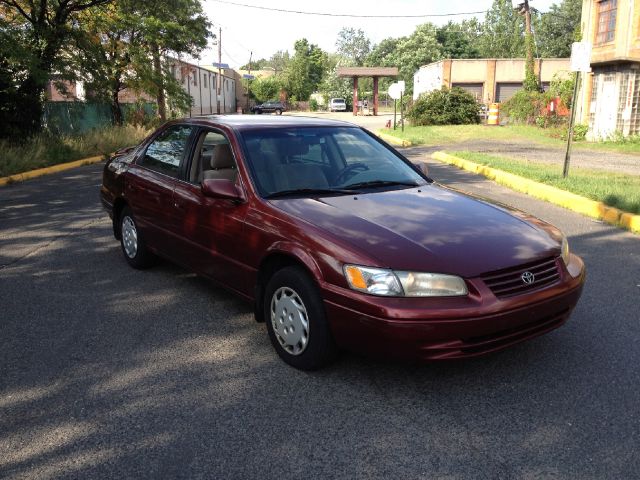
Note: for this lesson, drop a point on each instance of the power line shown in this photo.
(324, 14)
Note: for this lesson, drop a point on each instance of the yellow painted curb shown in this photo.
(394, 140)
(571, 201)
(20, 177)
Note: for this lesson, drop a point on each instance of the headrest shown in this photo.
(222, 157)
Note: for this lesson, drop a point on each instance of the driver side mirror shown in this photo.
(422, 167)
(222, 188)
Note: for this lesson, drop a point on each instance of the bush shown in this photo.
(444, 107)
(525, 107)
(313, 105)
(580, 131)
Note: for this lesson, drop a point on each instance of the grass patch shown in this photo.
(45, 149)
(616, 190)
(447, 134)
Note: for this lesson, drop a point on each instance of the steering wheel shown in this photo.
(349, 171)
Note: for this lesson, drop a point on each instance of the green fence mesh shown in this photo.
(74, 118)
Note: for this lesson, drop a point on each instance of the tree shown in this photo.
(305, 70)
(108, 50)
(334, 86)
(279, 61)
(255, 64)
(502, 32)
(44, 29)
(459, 40)
(353, 45)
(265, 89)
(170, 27)
(557, 29)
(414, 51)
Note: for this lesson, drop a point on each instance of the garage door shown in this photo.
(504, 91)
(474, 89)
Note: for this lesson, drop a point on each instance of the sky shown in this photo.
(246, 30)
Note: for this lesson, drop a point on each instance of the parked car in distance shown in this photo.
(269, 107)
(337, 105)
(338, 240)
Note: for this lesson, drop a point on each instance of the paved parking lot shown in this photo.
(107, 372)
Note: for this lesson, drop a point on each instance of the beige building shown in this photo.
(489, 79)
(609, 98)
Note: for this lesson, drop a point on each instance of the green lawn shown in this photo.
(445, 134)
(45, 150)
(617, 190)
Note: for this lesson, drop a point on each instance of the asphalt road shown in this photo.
(107, 372)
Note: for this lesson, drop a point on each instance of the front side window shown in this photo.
(338, 159)
(167, 151)
(607, 11)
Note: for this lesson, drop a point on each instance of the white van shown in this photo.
(337, 105)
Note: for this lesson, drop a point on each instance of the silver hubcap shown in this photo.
(289, 320)
(129, 237)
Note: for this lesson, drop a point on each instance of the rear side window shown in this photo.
(166, 153)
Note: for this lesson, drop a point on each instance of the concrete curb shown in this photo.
(394, 140)
(571, 201)
(20, 177)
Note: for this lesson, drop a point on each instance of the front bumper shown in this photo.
(449, 328)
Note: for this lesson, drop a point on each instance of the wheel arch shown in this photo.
(276, 260)
(118, 206)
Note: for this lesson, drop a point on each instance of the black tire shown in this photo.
(320, 348)
(259, 112)
(278, 111)
(139, 257)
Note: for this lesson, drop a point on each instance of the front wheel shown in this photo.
(296, 322)
(278, 111)
(132, 243)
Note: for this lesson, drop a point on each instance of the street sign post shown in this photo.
(396, 90)
(580, 62)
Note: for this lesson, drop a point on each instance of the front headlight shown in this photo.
(431, 285)
(376, 281)
(565, 250)
(380, 281)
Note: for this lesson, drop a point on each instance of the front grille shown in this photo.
(508, 282)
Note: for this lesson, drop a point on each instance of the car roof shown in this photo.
(241, 122)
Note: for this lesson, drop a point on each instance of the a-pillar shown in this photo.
(375, 96)
(355, 95)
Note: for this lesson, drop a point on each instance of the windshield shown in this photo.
(323, 160)
(337, 100)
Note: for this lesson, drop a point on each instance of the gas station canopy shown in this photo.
(375, 72)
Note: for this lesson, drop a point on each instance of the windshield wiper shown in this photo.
(308, 191)
(379, 183)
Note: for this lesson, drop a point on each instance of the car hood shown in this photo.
(430, 228)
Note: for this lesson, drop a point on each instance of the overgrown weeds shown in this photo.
(47, 149)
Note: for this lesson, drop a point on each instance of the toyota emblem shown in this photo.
(528, 278)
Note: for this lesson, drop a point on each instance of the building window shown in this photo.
(204, 80)
(607, 10)
(195, 78)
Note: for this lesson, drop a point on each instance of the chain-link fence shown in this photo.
(75, 118)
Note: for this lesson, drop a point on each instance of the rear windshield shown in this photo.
(337, 100)
(321, 158)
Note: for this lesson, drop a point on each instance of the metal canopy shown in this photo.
(375, 72)
(368, 71)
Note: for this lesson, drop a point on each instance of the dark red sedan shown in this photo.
(338, 240)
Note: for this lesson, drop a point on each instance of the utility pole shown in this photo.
(530, 83)
(249, 79)
(219, 66)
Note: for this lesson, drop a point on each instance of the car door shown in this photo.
(151, 181)
(211, 230)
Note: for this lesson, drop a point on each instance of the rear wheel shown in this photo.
(278, 111)
(296, 322)
(133, 246)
